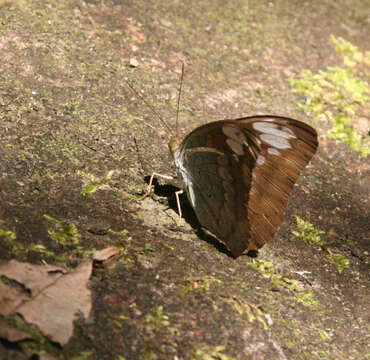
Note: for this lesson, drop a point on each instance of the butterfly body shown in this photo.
(238, 175)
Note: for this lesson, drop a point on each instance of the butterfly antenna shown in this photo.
(178, 98)
(148, 105)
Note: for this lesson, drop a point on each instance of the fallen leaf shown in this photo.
(166, 23)
(12, 334)
(105, 254)
(34, 277)
(133, 62)
(55, 298)
(10, 299)
(54, 310)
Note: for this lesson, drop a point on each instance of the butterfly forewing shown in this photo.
(239, 174)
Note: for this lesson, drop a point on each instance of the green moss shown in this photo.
(160, 321)
(159, 318)
(210, 353)
(122, 234)
(148, 247)
(250, 311)
(94, 183)
(308, 233)
(82, 252)
(8, 238)
(83, 355)
(321, 353)
(66, 235)
(32, 348)
(350, 53)
(339, 95)
(63, 232)
(340, 261)
(307, 299)
(312, 236)
(39, 344)
(267, 269)
(324, 334)
(41, 249)
(200, 283)
(63, 258)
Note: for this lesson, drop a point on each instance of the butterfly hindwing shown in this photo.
(239, 174)
(213, 189)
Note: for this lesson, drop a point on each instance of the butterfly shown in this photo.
(238, 174)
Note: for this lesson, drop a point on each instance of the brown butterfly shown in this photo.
(238, 174)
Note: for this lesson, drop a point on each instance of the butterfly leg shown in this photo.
(151, 183)
(177, 194)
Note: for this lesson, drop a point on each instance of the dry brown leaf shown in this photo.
(56, 298)
(133, 62)
(105, 254)
(54, 309)
(10, 299)
(12, 334)
(34, 277)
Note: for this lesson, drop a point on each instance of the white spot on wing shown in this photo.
(261, 160)
(234, 133)
(276, 141)
(273, 151)
(235, 146)
(274, 129)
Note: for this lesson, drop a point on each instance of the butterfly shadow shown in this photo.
(168, 191)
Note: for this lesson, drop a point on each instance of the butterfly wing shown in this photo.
(239, 175)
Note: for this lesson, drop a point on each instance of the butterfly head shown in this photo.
(174, 144)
